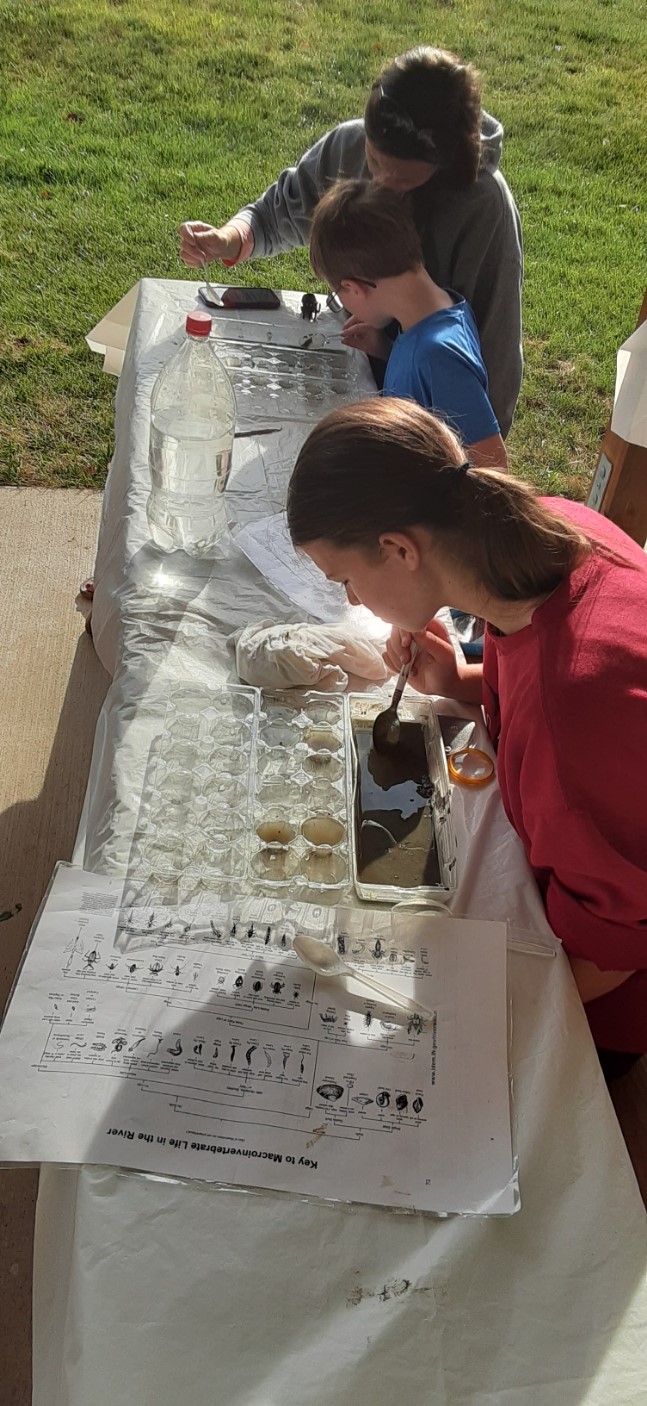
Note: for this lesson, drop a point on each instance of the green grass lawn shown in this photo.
(121, 118)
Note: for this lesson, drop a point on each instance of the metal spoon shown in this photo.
(320, 957)
(386, 728)
(212, 298)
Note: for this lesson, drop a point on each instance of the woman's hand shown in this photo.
(363, 337)
(434, 669)
(202, 244)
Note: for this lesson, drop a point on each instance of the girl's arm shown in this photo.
(435, 669)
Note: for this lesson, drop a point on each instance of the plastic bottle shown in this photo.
(193, 417)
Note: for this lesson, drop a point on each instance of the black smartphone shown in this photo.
(250, 298)
(209, 302)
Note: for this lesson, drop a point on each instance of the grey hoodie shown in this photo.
(471, 239)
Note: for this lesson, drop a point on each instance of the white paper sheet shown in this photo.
(267, 544)
(212, 1052)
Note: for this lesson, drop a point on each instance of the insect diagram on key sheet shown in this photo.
(230, 1025)
(284, 1055)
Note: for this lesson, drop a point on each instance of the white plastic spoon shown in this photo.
(322, 958)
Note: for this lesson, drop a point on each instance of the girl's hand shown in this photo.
(200, 243)
(435, 669)
(363, 337)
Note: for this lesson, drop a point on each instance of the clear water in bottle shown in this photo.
(190, 463)
(193, 412)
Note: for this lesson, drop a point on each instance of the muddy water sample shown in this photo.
(393, 818)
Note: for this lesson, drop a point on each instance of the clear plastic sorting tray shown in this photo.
(362, 710)
(273, 381)
(250, 791)
(299, 831)
(243, 790)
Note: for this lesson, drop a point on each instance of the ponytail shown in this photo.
(386, 465)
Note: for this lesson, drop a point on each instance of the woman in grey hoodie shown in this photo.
(425, 135)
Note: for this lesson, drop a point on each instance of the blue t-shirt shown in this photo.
(438, 363)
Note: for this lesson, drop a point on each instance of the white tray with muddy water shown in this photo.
(250, 791)
(402, 838)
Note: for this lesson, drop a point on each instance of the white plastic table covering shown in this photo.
(147, 1290)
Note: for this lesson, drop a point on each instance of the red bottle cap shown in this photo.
(198, 324)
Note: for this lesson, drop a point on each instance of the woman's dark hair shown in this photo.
(360, 230)
(387, 465)
(426, 106)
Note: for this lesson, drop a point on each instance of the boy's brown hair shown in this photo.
(362, 231)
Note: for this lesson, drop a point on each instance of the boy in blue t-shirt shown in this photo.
(364, 243)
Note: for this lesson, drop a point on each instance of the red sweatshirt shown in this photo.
(566, 706)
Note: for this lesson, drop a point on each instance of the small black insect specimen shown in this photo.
(277, 986)
(239, 982)
(309, 307)
(415, 1025)
(401, 1103)
(417, 1104)
(257, 986)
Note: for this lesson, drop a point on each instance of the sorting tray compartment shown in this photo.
(192, 830)
(243, 791)
(361, 713)
(299, 833)
(273, 382)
